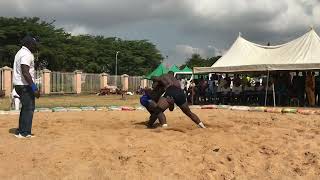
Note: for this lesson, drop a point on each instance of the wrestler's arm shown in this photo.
(148, 92)
(155, 78)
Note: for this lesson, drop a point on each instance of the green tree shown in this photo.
(197, 61)
(60, 51)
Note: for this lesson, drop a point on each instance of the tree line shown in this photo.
(61, 51)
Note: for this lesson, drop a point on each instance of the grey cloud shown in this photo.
(168, 23)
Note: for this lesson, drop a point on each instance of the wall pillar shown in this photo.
(144, 83)
(77, 81)
(7, 80)
(125, 82)
(103, 80)
(46, 81)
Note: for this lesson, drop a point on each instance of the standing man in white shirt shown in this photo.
(23, 81)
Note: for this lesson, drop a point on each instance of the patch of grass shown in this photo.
(78, 100)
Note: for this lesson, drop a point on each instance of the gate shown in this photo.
(62, 82)
(112, 80)
(134, 83)
(90, 83)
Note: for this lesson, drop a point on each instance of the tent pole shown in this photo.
(266, 95)
(274, 95)
(192, 89)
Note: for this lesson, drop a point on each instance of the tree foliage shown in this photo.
(60, 51)
(197, 61)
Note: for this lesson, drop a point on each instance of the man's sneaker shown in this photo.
(19, 136)
(30, 136)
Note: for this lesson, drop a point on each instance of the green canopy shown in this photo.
(174, 68)
(160, 70)
(186, 69)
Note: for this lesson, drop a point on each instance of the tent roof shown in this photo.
(174, 68)
(186, 69)
(160, 70)
(302, 53)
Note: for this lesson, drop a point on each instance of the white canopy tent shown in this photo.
(302, 53)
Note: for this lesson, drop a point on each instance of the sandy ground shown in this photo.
(115, 145)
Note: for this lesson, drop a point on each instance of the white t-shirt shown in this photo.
(23, 56)
(183, 83)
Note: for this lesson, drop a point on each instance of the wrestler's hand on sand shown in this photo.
(170, 100)
(171, 107)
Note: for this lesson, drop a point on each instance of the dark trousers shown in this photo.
(317, 94)
(27, 99)
(301, 97)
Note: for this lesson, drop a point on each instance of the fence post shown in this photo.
(103, 80)
(77, 81)
(46, 81)
(125, 82)
(7, 80)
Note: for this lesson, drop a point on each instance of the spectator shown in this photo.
(222, 83)
(260, 93)
(228, 80)
(193, 92)
(248, 87)
(310, 88)
(210, 89)
(203, 86)
(236, 89)
(248, 91)
(298, 85)
(237, 81)
(244, 80)
(317, 91)
(281, 88)
(215, 87)
(183, 84)
(225, 91)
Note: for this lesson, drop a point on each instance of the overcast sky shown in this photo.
(178, 27)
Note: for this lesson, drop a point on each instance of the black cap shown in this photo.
(29, 40)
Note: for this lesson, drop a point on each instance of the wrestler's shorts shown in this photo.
(144, 100)
(177, 94)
